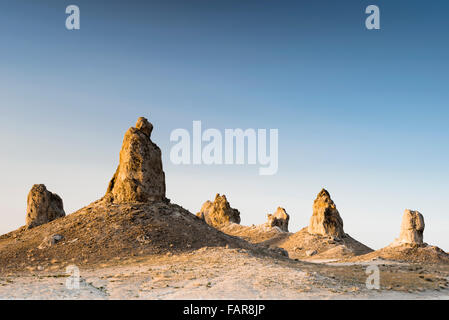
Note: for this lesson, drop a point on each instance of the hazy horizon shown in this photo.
(360, 113)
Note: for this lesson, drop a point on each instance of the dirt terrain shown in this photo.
(162, 251)
(306, 246)
(104, 231)
(300, 245)
(424, 254)
(255, 234)
(220, 273)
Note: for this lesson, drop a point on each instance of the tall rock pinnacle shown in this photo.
(139, 176)
(412, 228)
(325, 220)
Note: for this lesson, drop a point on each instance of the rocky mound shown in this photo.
(134, 218)
(259, 234)
(219, 213)
(406, 253)
(276, 227)
(324, 238)
(303, 245)
(410, 246)
(42, 206)
(102, 232)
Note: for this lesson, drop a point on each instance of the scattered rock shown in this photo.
(219, 213)
(50, 240)
(325, 220)
(279, 219)
(42, 206)
(139, 176)
(310, 253)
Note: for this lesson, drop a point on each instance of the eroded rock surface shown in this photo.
(219, 213)
(42, 206)
(139, 176)
(325, 220)
(412, 228)
(279, 219)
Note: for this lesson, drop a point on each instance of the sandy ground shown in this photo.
(209, 273)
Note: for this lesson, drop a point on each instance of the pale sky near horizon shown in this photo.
(361, 113)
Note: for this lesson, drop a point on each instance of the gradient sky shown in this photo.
(361, 113)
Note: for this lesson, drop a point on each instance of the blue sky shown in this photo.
(362, 113)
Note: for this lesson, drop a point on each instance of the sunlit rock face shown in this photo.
(412, 228)
(325, 220)
(42, 206)
(219, 212)
(139, 176)
(279, 219)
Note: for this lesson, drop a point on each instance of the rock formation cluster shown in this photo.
(219, 213)
(43, 206)
(279, 219)
(139, 176)
(325, 220)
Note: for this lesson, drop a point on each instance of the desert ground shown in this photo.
(224, 273)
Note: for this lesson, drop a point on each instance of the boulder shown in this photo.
(326, 220)
(50, 241)
(42, 206)
(310, 253)
(139, 176)
(219, 213)
(279, 219)
(412, 228)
